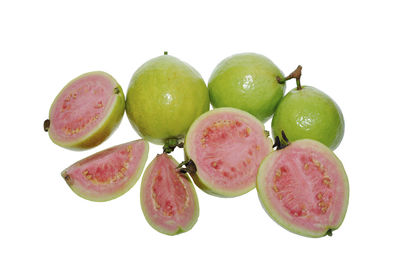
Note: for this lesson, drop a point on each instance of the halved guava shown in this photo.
(168, 198)
(86, 111)
(227, 146)
(108, 174)
(304, 188)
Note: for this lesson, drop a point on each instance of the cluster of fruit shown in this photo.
(301, 184)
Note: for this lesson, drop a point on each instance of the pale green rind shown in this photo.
(158, 228)
(164, 97)
(247, 81)
(104, 129)
(198, 177)
(309, 114)
(132, 180)
(269, 162)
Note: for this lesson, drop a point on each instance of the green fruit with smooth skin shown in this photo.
(247, 81)
(164, 97)
(309, 113)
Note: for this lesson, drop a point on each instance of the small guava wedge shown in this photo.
(168, 198)
(108, 174)
(86, 111)
(226, 146)
(304, 188)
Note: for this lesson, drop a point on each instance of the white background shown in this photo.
(349, 49)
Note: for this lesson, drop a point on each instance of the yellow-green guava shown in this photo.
(249, 82)
(164, 97)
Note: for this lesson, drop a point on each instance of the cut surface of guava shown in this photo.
(168, 198)
(109, 173)
(304, 188)
(86, 111)
(227, 146)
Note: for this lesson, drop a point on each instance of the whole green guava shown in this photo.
(308, 113)
(164, 97)
(249, 82)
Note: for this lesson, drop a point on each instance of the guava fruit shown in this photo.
(308, 113)
(108, 174)
(249, 82)
(304, 188)
(226, 146)
(164, 97)
(86, 111)
(168, 198)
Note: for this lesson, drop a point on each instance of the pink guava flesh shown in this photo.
(304, 188)
(228, 149)
(81, 106)
(169, 200)
(109, 173)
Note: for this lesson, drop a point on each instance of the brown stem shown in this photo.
(296, 74)
(46, 125)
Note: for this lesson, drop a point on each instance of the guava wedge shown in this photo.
(108, 174)
(304, 188)
(86, 111)
(226, 146)
(168, 198)
(164, 97)
(247, 81)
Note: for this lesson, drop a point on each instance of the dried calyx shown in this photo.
(190, 167)
(171, 144)
(46, 125)
(280, 145)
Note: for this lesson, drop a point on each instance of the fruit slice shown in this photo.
(304, 188)
(168, 198)
(247, 81)
(108, 174)
(227, 146)
(164, 97)
(86, 111)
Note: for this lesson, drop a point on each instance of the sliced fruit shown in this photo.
(168, 198)
(108, 174)
(164, 97)
(86, 111)
(227, 146)
(304, 188)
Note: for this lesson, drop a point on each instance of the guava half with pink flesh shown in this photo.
(168, 198)
(108, 174)
(304, 188)
(86, 111)
(227, 146)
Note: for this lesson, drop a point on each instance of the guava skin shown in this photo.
(164, 97)
(309, 114)
(109, 124)
(247, 81)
